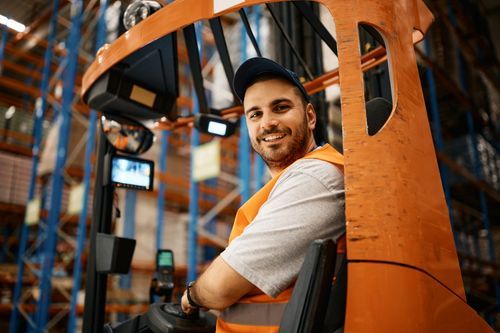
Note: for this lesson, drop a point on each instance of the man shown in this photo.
(252, 279)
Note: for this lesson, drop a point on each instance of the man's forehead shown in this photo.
(269, 89)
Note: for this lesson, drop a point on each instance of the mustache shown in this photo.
(274, 131)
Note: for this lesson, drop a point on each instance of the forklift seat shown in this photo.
(316, 304)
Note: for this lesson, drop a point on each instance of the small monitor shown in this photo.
(131, 172)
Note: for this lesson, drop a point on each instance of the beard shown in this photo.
(281, 155)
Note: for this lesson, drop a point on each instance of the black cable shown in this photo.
(316, 24)
(250, 34)
(195, 66)
(225, 58)
(289, 41)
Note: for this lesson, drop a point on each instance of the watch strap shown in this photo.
(188, 294)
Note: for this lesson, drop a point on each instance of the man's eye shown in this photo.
(253, 115)
(282, 107)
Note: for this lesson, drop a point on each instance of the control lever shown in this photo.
(165, 317)
(162, 284)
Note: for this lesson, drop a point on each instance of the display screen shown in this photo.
(165, 258)
(132, 173)
(217, 128)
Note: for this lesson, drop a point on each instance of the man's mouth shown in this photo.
(273, 137)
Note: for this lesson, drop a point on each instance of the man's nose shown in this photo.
(268, 121)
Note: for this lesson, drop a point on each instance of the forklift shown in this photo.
(401, 272)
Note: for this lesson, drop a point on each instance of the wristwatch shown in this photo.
(188, 294)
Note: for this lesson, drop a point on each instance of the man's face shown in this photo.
(279, 124)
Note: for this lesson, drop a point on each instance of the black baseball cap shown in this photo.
(252, 68)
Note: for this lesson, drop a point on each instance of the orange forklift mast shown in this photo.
(403, 269)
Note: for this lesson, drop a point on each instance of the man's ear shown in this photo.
(311, 116)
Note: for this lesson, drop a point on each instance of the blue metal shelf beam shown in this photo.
(193, 185)
(57, 174)
(37, 135)
(259, 162)
(3, 43)
(161, 189)
(244, 140)
(438, 137)
(82, 223)
(193, 205)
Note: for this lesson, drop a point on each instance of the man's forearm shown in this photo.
(219, 286)
(203, 296)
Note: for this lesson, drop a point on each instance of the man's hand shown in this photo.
(186, 307)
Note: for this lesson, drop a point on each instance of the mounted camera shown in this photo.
(214, 125)
(138, 11)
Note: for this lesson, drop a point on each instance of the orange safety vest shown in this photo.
(261, 313)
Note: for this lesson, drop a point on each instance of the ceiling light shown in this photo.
(13, 24)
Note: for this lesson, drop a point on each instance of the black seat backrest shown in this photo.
(335, 312)
(305, 312)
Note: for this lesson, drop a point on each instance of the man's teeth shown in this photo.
(271, 138)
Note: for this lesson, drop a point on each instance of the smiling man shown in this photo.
(252, 280)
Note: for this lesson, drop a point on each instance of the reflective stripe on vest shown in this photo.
(255, 314)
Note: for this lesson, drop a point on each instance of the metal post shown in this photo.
(193, 203)
(37, 135)
(3, 43)
(244, 141)
(162, 159)
(3, 252)
(193, 210)
(193, 185)
(57, 175)
(479, 174)
(161, 189)
(438, 137)
(128, 232)
(128, 227)
(96, 283)
(82, 223)
(42, 226)
(209, 252)
(259, 162)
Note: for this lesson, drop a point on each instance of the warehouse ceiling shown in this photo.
(25, 11)
(29, 11)
(492, 12)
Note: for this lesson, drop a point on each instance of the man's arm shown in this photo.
(217, 288)
(307, 204)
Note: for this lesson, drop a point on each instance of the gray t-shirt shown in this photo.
(306, 203)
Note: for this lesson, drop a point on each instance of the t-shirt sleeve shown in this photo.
(306, 203)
